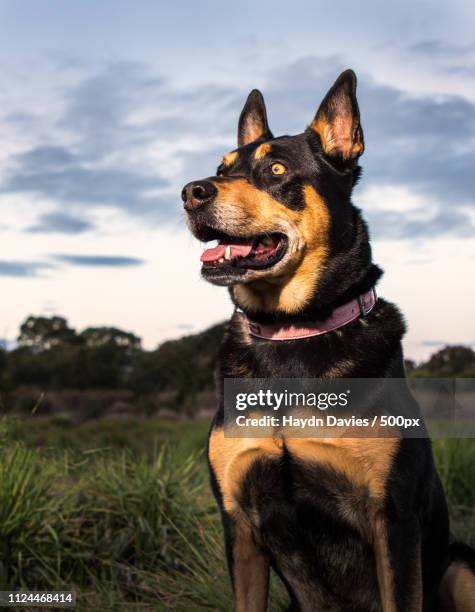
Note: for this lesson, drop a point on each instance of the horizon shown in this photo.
(12, 345)
(101, 127)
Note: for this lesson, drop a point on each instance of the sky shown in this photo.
(108, 108)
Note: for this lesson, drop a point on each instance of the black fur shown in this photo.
(311, 521)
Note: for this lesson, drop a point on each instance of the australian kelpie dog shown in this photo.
(348, 524)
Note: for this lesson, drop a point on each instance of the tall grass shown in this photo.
(31, 510)
(124, 532)
(112, 525)
(138, 530)
(455, 459)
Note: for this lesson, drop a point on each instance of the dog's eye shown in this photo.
(219, 171)
(278, 168)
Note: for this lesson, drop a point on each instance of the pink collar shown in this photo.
(359, 307)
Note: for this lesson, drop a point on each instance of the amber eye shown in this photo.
(278, 169)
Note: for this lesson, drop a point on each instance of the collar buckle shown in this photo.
(361, 303)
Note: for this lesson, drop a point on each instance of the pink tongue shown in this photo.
(218, 252)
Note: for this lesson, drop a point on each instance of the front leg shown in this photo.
(248, 564)
(398, 564)
(229, 461)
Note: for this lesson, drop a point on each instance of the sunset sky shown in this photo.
(108, 108)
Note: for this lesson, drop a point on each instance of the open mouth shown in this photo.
(238, 254)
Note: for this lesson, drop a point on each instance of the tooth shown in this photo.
(227, 253)
(267, 241)
(221, 260)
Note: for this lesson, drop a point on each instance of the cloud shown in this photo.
(109, 261)
(58, 174)
(434, 47)
(130, 139)
(185, 326)
(395, 225)
(424, 143)
(120, 135)
(427, 144)
(57, 222)
(443, 343)
(99, 107)
(23, 269)
(465, 69)
(46, 157)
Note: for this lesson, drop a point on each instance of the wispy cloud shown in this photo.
(23, 269)
(397, 225)
(57, 174)
(433, 343)
(108, 261)
(437, 47)
(62, 223)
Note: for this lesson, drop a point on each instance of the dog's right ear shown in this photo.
(337, 121)
(253, 120)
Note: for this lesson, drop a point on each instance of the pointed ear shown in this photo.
(337, 121)
(253, 120)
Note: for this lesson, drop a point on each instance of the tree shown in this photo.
(185, 365)
(409, 366)
(95, 337)
(450, 361)
(3, 362)
(108, 355)
(44, 333)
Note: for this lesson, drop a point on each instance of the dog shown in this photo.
(358, 524)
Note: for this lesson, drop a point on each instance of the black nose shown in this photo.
(198, 193)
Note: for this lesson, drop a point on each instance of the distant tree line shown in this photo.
(51, 355)
(450, 361)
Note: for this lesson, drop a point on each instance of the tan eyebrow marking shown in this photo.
(230, 158)
(263, 149)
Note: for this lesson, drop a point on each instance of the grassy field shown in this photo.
(120, 511)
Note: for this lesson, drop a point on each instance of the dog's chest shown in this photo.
(311, 504)
(351, 466)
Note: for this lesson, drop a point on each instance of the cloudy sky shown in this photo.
(107, 108)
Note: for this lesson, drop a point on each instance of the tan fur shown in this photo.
(231, 458)
(364, 461)
(262, 150)
(250, 569)
(339, 136)
(383, 566)
(385, 572)
(230, 158)
(457, 590)
(245, 209)
(416, 602)
(254, 129)
(340, 369)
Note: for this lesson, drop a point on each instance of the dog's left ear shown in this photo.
(337, 121)
(253, 120)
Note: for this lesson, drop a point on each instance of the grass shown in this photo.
(455, 459)
(120, 511)
(137, 435)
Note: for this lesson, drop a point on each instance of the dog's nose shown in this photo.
(198, 193)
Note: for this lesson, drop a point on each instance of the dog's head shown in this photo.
(280, 208)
